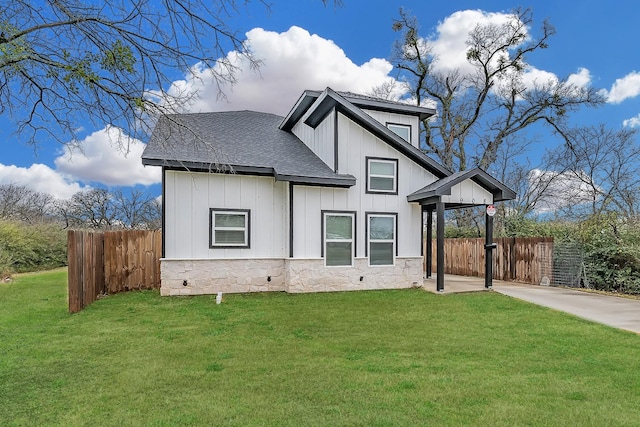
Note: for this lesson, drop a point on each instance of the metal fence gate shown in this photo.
(567, 266)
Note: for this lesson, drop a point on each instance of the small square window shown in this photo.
(403, 131)
(229, 228)
(382, 175)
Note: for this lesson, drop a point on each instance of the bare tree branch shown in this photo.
(65, 61)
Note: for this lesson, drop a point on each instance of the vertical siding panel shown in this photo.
(169, 212)
(313, 219)
(199, 215)
(183, 230)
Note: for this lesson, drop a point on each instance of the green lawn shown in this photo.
(379, 358)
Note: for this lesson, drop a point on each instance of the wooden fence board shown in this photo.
(111, 262)
(514, 259)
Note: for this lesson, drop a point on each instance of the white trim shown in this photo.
(390, 126)
(370, 175)
(393, 241)
(327, 240)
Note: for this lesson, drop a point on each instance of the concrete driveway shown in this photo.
(622, 313)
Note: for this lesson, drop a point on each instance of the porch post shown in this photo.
(440, 244)
(429, 242)
(488, 249)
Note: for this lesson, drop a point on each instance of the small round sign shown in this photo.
(491, 210)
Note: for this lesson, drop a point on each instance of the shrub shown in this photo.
(612, 253)
(31, 247)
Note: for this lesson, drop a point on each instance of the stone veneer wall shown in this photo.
(210, 276)
(310, 275)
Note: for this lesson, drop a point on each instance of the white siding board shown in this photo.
(354, 145)
(182, 222)
(313, 225)
(401, 119)
(320, 140)
(170, 206)
(468, 192)
(187, 234)
(199, 215)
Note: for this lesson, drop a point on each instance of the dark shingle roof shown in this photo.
(242, 141)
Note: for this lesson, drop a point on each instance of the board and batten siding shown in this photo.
(400, 119)
(190, 195)
(320, 140)
(355, 144)
(468, 192)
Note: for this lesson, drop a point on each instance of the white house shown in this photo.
(329, 198)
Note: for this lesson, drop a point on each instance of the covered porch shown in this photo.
(463, 189)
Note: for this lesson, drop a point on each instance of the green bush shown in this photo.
(36, 247)
(612, 253)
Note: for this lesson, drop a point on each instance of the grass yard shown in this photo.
(381, 358)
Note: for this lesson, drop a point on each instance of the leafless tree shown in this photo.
(107, 210)
(601, 171)
(480, 111)
(19, 202)
(486, 106)
(89, 209)
(66, 60)
(136, 209)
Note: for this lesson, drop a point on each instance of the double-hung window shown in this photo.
(382, 175)
(403, 131)
(339, 238)
(229, 228)
(381, 236)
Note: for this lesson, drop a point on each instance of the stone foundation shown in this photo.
(210, 276)
(310, 275)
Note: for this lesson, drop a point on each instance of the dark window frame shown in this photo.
(367, 215)
(213, 211)
(396, 177)
(354, 253)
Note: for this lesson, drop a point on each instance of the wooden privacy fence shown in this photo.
(110, 262)
(516, 259)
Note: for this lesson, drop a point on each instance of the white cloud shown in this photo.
(564, 190)
(292, 61)
(449, 44)
(633, 122)
(624, 88)
(39, 177)
(109, 157)
(449, 47)
(580, 79)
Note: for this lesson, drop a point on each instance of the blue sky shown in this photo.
(305, 45)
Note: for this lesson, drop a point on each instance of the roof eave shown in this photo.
(303, 104)
(343, 181)
(339, 181)
(329, 99)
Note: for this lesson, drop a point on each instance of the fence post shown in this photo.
(75, 280)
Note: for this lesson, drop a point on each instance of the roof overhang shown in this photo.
(341, 181)
(433, 192)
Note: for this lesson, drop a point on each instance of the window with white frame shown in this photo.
(381, 230)
(403, 131)
(229, 228)
(382, 175)
(339, 242)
